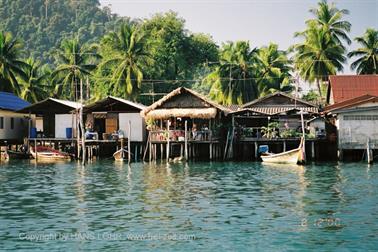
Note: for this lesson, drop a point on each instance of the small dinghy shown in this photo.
(44, 153)
(121, 154)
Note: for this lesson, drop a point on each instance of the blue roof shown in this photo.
(9, 101)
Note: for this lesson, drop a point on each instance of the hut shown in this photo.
(353, 111)
(356, 121)
(274, 119)
(54, 118)
(185, 118)
(112, 114)
(13, 125)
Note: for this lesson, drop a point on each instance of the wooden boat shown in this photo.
(18, 154)
(121, 154)
(294, 156)
(4, 156)
(48, 154)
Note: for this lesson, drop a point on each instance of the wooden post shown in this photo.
(168, 150)
(256, 150)
(304, 134)
(35, 149)
(313, 150)
(284, 145)
(340, 154)
(122, 146)
(82, 123)
(129, 143)
(369, 152)
(136, 153)
(147, 144)
(186, 140)
(231, 153)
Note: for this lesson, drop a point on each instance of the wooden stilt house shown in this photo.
(188, 120)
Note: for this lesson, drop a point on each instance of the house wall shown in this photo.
(353, 133)
(19, 130)
(138, 127)
(63, 121)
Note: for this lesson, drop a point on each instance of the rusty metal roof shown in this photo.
(345, 87)
(351, 102)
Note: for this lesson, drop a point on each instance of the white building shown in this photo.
(13, 125)
(52, 117)
(112, 114)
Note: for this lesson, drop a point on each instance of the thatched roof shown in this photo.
(167, 106)
(203, 113)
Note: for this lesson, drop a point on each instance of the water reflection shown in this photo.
(228, 206)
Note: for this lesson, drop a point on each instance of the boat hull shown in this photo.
(288, 157)
(48, 154)
(294, 156)
(18, 155)
(120, 155)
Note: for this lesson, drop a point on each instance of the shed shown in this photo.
(113, 114)
(13, 125)
(356, 121)
(53, 117)
(277, 107)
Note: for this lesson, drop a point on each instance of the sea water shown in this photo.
(207, 206)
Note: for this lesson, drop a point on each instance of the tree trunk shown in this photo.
(319, 88)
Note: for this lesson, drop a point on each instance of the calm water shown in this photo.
(208, 206)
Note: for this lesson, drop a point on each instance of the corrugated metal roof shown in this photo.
(9, 101)
(275, 110)
(134, 104)
(351, 103)
(67, 103)
(51, 105)
(345, 87)
(282, 109)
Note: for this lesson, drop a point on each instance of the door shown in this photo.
(111, 125)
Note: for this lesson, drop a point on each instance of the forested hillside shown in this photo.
(47, 47)
(42, 24)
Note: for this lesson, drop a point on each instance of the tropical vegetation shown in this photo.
(144, 59)
(367, 62)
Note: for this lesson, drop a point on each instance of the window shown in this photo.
(361, 117)
(12, 123)
(1, 122)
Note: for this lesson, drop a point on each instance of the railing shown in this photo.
(179, 135)
(247, 133)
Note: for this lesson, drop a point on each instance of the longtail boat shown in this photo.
(18, 154)
(289, 157)
(121, 154)
(44, 153)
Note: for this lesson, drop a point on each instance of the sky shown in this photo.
(259, 21)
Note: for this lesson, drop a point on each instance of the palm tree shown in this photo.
(75, 62)
(126, 58)
(35, 86)
(10, 64)
(367, 63)
(232, 81)
(328, 17)
(318, 56)
(273, 70)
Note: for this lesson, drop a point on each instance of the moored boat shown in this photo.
(121, 154)
(44, 153)
(289, 157)
(4, 156)
(18, 155)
